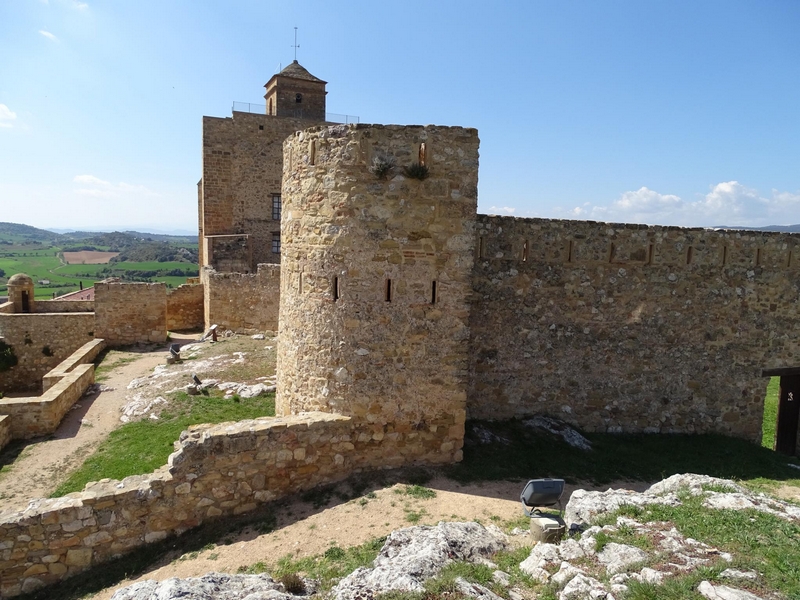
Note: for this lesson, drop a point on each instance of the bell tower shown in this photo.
(294, 92)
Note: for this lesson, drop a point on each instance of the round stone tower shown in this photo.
(378, 242)
(20, 292)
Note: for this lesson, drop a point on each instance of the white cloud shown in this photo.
(98, 188)
(79, 5)
(48, 35)
(509, 210)
(7, 116)
(727, 203)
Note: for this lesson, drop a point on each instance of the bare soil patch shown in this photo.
(88, 257)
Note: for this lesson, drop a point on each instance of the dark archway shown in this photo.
(788, 419)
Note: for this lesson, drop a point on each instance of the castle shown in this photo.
(401, 312)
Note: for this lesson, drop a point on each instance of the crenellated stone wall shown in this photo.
(375, 279)
(130, 313)
(628, 327)
(242, 302)
(41, 341)
(185, 307)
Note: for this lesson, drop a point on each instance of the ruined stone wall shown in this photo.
(628, 327)
(216, 471)
(41, 341)
(130, 313)
(5, 430)
(185, 307)
(243, 302)
(242, 170)
(41, 415)
(360, 332)
(82, 356)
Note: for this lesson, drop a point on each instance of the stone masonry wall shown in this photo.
(397, 359)
(130, 313)
(242, 170)
(41, 341)
(243, 302)
(41, 415)
(82, 356)
(628, 327)
(185, 307)
(5, 430)
(64, 306)
(216, 471)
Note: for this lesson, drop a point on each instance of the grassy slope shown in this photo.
(770, 413)
(143, 446)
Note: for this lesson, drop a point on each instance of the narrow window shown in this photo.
(724, 255)
(276, 242)
(335, 288)
(569, 252)
(611, 252)
(525, 251)
(422, 157)
(480, 247)
(758, 257)
(298, 98)
(689, 255)
(269, 110)
(261, 128)
(276, 207)
(433, 292)
(388, 290)
(650, 254)
(312, 152)
(300, 284)
(789, 259)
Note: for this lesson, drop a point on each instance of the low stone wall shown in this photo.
(5, 431)
(7, 308)
(64, 306)
(217, 470)
(82, 356)
(130, 313)
(185, 307)
(41, 415)
(41, 341)
(243, 302)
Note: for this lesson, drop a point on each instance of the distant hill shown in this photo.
(776, 228)
(19, 232)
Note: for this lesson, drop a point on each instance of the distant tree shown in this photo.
(2, 273)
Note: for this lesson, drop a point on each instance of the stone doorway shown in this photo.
(788, 419)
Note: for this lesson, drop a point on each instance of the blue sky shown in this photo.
(670, 112)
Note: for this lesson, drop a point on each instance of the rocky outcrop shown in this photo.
(213, 586)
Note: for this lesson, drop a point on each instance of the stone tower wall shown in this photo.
(283, 96)
(242, 169)
(399, 364)
(628, 327)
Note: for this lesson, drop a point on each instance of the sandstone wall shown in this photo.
(399, 361)
(64, 306)
(242, 170)
(243, 302)
(41, 415)
(82, 356)
(216, 470)
(5, 430)
(130, 313)
(185, 307)
(41, 341)
(630, 328)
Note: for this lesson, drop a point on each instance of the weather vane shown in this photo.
(296, 45)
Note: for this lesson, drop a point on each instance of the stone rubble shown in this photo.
(212, 586)
(559, 429)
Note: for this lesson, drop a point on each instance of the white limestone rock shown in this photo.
(723, 592)
(212, 586)
(584, 507)
(583, 587)
(412, 555)
(618, 557)
(474, 590)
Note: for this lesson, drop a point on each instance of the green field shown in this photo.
(42, 261)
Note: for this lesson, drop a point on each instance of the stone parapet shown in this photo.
(243, 302)
(41, 415)
(64, 306)
(216, 470)
(185, 307)
(130, 313)
(82, 356)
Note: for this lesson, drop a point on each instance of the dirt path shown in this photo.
(302, 530)
(45, 463)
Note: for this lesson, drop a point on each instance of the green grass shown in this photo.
(328, 568)
(770, 413)
(143, 446)
(758, 541)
